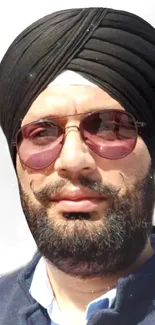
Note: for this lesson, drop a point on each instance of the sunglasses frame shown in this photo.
(87, 114)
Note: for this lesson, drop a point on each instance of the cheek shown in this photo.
(20, 170)
(133, 167)
(26, 176)
(138, 163)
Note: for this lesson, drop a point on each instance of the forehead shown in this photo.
(70, 99)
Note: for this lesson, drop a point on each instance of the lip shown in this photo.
(78, 201)
(83, 205)
(76, 195)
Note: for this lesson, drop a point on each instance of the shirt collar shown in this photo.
(42, 292)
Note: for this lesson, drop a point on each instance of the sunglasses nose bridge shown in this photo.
(72, 126)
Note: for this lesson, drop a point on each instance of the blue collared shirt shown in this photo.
(41, 291)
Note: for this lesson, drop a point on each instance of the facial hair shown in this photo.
(83, 248)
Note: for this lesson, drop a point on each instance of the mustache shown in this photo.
(44, 195)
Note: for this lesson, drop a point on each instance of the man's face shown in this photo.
(89, 215)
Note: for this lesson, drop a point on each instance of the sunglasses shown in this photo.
(111, 134)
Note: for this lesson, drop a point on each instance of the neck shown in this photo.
(71, 292)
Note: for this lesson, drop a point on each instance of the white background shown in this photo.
(16, 243)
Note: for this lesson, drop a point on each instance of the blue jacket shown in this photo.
(134, 305)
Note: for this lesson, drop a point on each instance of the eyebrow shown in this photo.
(56, 116)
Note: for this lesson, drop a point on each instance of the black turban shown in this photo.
(114, 49)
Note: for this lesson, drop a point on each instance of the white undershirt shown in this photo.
(42, 292)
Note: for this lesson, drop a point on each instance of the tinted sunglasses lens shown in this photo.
(111, 134)
(39, 144)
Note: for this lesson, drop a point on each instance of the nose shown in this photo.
(75, 157)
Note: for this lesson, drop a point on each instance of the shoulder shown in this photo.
(15, 295)
(11, 297)
(9, 282)
(153, 241)
(14, 288)
(11, 293)
(19, 278)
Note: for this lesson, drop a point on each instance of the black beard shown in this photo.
(79, 247)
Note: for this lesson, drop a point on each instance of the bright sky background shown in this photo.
(16, 243)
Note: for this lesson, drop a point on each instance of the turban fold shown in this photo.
(112, 48)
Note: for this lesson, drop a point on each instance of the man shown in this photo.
(77, 106)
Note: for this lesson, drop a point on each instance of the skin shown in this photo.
(73, 294)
